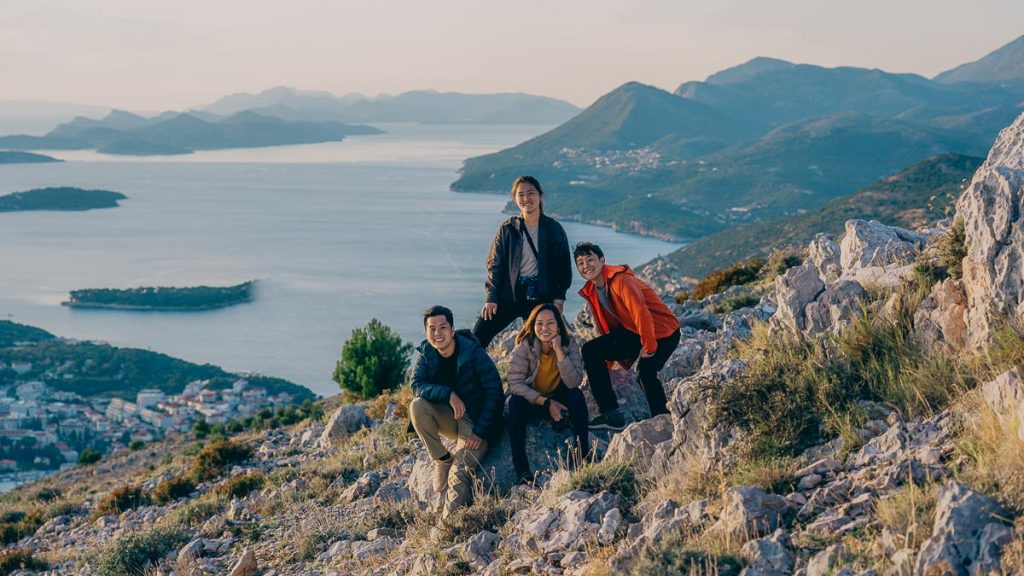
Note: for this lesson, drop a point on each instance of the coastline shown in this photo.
(140, 308)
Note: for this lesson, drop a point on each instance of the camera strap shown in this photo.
(529, 240)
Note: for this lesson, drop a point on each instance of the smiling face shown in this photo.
(545, 326)
(591, 267)
(527, 198)
(440, 334)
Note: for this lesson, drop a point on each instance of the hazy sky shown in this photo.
(150, 54)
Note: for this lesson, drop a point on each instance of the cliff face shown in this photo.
(831, 420)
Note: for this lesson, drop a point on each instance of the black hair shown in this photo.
(528, 332)
(584, 248)
(532, 182)
(438, 310)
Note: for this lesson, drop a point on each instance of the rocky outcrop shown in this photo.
(873, 245)
(969, 529)
(346, 420)
(940, 319)
(1005, 396)
(991, 207)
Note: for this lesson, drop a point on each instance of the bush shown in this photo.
(611, 475)
(172, 489)
(213, 460)
(733, 303)
(401, 398)
(201, 429)
(739, 273)
(374, 359)
(14, 559)
(89, 456)
(120, 499)
(240, 486)
(136, 445)
(133, 554)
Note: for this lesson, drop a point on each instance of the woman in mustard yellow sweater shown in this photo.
(544, 377)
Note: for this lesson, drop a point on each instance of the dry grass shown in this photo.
(993, 456)
(909, 513)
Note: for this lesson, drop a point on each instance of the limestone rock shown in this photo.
(794, 290)
(966, 533)
(824, 253)
(479, 550)
(345, 421)
(875, 245)
(991, 208)
(1005, 395)
(770, 556)
(834, 308)
(939, 321)
(246, 565)
(639, 440)
(366, 485)
(572, 523)
(698, 439)
(749, 512)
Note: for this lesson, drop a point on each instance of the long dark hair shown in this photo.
(532, 182)
(528, 332)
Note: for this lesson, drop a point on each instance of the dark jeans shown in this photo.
(621, 343)
(519, 411)
(486, 330)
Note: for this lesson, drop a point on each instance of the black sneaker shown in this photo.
(610, 421)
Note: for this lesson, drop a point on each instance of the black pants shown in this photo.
(486, 330)
(621, 343)
(519, 411)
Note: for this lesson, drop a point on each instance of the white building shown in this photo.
(21, 368)
(31, 390)
(149, 398)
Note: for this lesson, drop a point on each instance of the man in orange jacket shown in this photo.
(634, 322)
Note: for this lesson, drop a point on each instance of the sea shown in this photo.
(335, 234)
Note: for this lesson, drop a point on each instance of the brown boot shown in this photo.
(441, 469)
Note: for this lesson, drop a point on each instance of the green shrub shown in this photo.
(16, 524)
(120, 499)
(672, 558)
(213, 460)
(733, 303)
(609, 474)
(240, 486)
(173, 488)
(373, 360)
(738, 274)
(201, 429)
(48, 494)
(136, 445)
(89, 456)
(133, 554)
(485, 513)
(14, 559)
(952, 249)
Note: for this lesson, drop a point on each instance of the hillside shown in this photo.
(13, 157)
(759, 140)
(1005, 65)
(180, 133)
(909, 199)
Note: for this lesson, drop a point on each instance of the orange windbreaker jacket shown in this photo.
(637, 305)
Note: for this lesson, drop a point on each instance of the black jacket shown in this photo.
(554, 264)
(478, 385)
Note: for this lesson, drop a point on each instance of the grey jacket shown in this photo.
(525, 364)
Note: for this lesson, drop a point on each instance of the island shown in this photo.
(63, 198)
(17, 157)
(167, 299)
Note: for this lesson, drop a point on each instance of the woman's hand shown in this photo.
(555, 410)
(489, 310)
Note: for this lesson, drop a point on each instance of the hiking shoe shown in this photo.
(441, 469)
(610, 421)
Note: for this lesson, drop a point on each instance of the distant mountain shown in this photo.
(426, 106)
(1005, 65)
(909, 198)
(37, 116)
(180, 133)
(760, 140)
(9, 157)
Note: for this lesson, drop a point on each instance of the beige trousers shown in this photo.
(435, 419)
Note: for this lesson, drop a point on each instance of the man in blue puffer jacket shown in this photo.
(459, 396)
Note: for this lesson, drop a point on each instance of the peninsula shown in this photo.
(18, 157)
(63, 198)
(168, 299)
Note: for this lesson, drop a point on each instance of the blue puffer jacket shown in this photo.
(478, 385)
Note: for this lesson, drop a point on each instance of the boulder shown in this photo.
(824, 253)
(770, 556)
(1005, 396)
(573, 523)
(875, 245)
(366, 485)
(991, 208)
(479, 550)
(698, 440)
(940, 320)
(794, 290)
(639, 440)
(749, 512)
(968, 531)
(246, 564)
(345, 421)
(834, 308)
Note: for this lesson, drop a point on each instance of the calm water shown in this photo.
(336, 233)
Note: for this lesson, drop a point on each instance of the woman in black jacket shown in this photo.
(529, 263)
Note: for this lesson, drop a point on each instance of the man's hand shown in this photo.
(473, 442)
(489, 310)
(645, 353)
(457, 406)
(555, 409)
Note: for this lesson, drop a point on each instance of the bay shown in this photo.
(336, 234)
